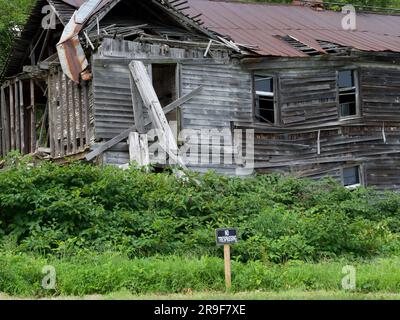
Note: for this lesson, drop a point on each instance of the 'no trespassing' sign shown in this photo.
(226, 236)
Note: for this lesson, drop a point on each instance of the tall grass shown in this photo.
(20, 275)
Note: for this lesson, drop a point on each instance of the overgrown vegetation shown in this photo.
(65, 211)
(13, 14)
(21, 275)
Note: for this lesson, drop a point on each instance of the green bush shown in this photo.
(66, 210)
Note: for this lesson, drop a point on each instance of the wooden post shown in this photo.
(33, 116)
(22, 117)
(5, 121)
(67, 107)
(138, 148)
(12, 115)
(17, 118)
(62, 108)
(87, 115)
(81, 126)
(50, 113)
(73, 113)
(227, 259)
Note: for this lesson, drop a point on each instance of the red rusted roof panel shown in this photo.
(258, 25)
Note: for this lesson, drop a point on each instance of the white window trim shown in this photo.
(353, 186)
(266, 94)
(360, 177)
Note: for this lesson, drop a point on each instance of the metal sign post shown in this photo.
(226, 237)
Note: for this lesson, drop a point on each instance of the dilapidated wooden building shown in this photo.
(312, 98)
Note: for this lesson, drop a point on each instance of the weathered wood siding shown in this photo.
(113, 110)
(380, 94)
(311, 140)
(307, 97)
(226, 96)
(228, 85)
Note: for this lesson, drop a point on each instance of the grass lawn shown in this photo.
(283, 295)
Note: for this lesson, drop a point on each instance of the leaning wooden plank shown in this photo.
(123, 135)
(137, 107)
(109, 144)
(144, 84)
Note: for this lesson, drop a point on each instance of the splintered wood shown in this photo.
(138, 149)
(150, 99)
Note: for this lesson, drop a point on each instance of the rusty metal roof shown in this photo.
(260, 24)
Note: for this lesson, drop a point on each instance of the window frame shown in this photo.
(360, 176)
(256, 94)
(356, 88)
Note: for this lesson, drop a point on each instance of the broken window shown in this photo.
(347, 93)
(265, 98)
(351, 177)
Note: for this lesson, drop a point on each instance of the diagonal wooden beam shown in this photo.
(144, 84)
(124, 134)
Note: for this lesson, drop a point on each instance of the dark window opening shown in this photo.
(265, 98)
(351, 176)
(165, 86)
(347, 93)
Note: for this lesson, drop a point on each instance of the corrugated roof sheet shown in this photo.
(260, 24)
